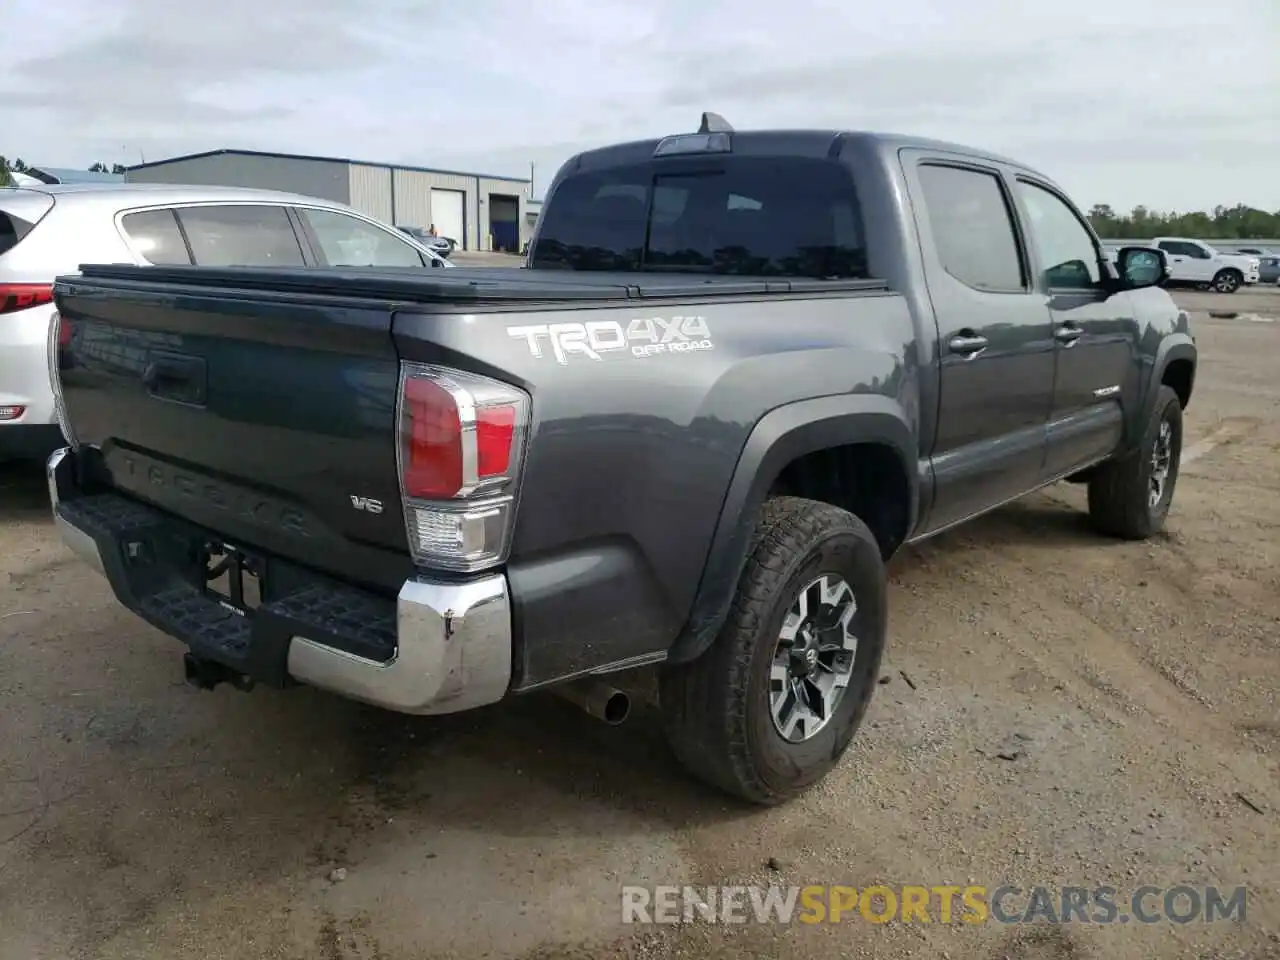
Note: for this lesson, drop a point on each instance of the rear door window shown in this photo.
(972, 225)
(248, 235)
(156, 236)
(751, 216)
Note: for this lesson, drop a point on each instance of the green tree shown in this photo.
(98, 168)
(5, 179)
(1239, 222)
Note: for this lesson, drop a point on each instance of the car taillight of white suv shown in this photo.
(28, 424)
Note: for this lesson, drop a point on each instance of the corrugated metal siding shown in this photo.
(326, 179)
(413, 199)
(371, 190)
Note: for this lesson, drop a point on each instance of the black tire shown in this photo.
(716, 709)
(1120, 491)
(1227, 281)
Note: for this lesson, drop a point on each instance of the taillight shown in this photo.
(22, 296)
(462, 440)
(59, 338)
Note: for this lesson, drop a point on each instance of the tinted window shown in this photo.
(1067, 251)
(1181, 249)
(156, 236)
(241, 235)
(972, 228)
(753, 216)
(350, 242)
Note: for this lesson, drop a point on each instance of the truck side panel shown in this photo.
(632, 449)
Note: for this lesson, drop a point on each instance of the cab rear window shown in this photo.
(746, 216)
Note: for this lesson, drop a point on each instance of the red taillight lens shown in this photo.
(495, 435)
(460, 434)
(433, 452)
(22, 296)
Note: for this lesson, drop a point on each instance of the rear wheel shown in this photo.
(1130, 497)
(773, 704)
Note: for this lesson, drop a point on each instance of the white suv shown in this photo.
(1195, 262)
(47, 231)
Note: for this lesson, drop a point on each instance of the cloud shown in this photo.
(1170, 104)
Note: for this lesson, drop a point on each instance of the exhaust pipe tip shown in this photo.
(616, 708)
(598, 699)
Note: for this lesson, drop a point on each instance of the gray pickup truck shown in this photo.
(738, 371)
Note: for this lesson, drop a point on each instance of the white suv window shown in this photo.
(347, 241)
(241, 234)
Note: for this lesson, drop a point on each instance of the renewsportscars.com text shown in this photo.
(932, 904)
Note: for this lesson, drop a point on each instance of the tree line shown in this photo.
(1223, 223)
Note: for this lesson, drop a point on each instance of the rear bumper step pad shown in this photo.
(438, 647)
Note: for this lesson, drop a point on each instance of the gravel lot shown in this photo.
(1135, 685)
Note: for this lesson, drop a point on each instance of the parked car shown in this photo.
(689, 433)
(1268, 263)
(47, 230)
(441, 245)
(1194, 262)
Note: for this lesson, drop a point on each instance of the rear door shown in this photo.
(996, 349)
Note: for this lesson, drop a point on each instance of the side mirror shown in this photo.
(1142, 267)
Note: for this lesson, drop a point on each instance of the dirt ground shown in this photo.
(1135, 686)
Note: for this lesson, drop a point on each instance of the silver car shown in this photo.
(49, 230)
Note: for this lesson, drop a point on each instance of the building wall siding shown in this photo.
(413, 199)
(371, 190)
(396, 195)
(326, 179)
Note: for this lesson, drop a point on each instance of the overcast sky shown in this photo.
(1171, 103)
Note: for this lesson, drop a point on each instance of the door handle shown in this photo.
(177, 377)
(1068, 333)
(968, 344)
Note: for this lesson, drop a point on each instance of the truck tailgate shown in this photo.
(269, 419)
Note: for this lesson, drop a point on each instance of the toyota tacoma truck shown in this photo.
(736, 373)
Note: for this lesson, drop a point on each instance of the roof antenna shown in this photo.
(714, 123)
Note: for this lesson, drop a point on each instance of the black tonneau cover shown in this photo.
(479, 284)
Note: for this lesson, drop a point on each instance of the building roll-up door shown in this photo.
(447, 208)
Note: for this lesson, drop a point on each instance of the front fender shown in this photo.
(779, 437)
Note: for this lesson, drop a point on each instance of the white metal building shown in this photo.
(480, 212)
